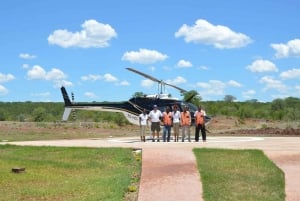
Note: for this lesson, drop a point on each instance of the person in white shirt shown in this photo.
(143, 119)
(176, 122)
(155, 117)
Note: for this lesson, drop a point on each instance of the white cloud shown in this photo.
(124, 83)
(6, 78)
(91, 77)
(291, 74)
(25, 66)
(106, 77)
(248, 94)
(177, 80)
(90, 94)
(55, 75)
(203, 67)
(271, 83)
(212, 87)
(184, 64)
(110, 78)
(262, 66)
(233, 83)
(216, 87)
(219, 36)
(65, 83)
(291, 48)
(27, 56)
(3, 90)
(147, 83)
(144, 56)
(93, 34)
(37, 72)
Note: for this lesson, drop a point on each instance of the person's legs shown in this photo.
(197, 129)
(158, 130)
(176, 131)
(183, 132)
(189, 133)
(153, 131)
(203, 133)
(144, 133)
(165, 130)
(169, 133)
(141, 132)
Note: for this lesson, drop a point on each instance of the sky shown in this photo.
(247, 49)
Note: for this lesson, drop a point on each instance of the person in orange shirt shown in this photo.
(185, 119)
(167, 121)
(200, 124)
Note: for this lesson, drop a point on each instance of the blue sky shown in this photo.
(247, 49)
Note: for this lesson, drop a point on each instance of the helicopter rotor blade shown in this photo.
(178, 88)
(156, 80)
(145, 75)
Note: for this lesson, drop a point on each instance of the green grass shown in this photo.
(57, 173)
(239, 175)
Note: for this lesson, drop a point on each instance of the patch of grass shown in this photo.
(237, 175)
(58, 173)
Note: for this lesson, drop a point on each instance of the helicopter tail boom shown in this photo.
(66, 97)
(127, 108)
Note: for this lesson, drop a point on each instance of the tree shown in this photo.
(277, 105)
(229, 98)
(192, 97)
(39, 114)
(138, 94)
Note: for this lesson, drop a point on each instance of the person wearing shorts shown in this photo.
(155, 118)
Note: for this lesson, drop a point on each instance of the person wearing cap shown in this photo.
(155, 116)
(185, 119)
(176, 122)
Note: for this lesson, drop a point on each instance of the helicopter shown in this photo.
(132, 108)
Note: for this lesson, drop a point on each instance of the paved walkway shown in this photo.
(169, 171)
(169, 174)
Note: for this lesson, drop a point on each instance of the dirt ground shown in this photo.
(219, 126)
(252, 127)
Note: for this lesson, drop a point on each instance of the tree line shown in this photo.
(279, 109)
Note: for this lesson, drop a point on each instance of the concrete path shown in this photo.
(169, 174)
(284, 151)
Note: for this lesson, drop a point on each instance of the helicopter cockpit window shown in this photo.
(192, 107)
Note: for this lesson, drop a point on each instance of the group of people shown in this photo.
(172, 119)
